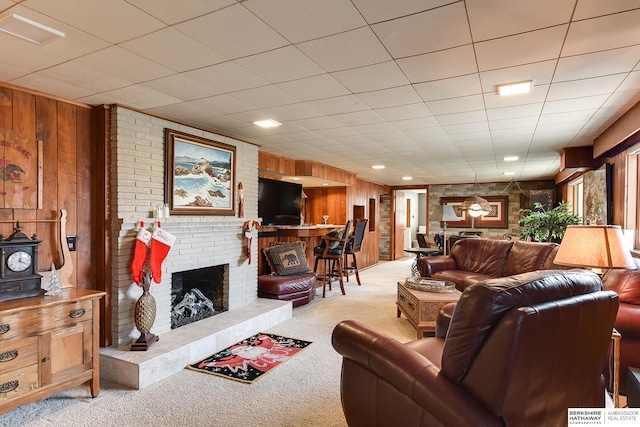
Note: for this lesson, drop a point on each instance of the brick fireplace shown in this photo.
(137, 186)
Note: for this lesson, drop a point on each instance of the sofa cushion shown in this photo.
(483, 256)
(484, 304)
(287, 259)
(526, 256)
(461, 278)
(626, 283)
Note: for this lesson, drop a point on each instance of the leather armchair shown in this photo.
(520, 350)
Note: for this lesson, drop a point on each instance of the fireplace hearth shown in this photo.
(198, 294)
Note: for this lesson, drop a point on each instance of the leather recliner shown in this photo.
(519, 351)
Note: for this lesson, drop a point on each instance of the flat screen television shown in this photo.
(279, 202)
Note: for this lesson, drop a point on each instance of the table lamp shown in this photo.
(444, 213)
(594, 246)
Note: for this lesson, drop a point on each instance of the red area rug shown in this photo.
(251, 358)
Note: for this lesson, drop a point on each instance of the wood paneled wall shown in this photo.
(65, 129)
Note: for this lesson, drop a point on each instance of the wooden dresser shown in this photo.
(48, 344)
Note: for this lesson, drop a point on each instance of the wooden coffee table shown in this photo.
(421, 307)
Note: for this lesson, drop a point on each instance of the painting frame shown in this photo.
(498, 218)
(209, 166)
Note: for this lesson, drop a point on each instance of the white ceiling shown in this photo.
(410, 84)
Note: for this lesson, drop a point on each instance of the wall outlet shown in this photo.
(71, 243)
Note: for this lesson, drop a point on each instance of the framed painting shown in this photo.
(499, 215)
(21, 164)
(199, 175)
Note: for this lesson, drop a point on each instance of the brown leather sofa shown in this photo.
(474, 260)
(626, 283)
(520, 350)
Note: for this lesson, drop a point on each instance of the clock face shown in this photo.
(19, 261)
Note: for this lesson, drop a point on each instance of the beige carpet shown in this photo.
(304, 391)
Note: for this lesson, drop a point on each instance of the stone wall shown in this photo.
(138, 181)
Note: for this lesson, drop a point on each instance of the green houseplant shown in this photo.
(547, 225)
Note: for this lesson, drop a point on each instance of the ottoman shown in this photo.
(297, 288)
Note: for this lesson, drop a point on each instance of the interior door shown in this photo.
(400, 218)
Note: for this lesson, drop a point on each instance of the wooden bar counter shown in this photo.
(310, 234)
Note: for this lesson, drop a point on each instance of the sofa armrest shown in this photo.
(428, 265)
(409, 373)
(443, 320)
(628, 321)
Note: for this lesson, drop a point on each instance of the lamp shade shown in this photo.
(444, 213)
(594, 246)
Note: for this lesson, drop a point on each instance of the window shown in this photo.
(575, 196)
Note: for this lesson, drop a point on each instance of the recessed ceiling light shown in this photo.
(378, 166)
(509, 173)
(407, 178)
(325, 184)
(510, 158)
(27, 29)
(515, 88)
(269, 123)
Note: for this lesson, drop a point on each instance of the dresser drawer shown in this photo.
(34, 321)
(408, 305)
(18, 383)
(18, 353)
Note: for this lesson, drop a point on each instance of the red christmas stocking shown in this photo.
(140, 253)
(161, 243)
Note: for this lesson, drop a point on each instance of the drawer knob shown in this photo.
(4, 328)
(79, 312)
(10, 386)
(8, 356)
(46, 359)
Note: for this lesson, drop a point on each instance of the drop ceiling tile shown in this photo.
(316, 87)
(575, 104)
(358, 118)
(48, 85)
(540, 72)
(182, 111)
(317, 123)
(110, 61)
(265, 96)
(474, 127)
(403, 95)
(291, 112)
(355, 48)
(372, 128)
(339, 104)
(430, 31)
(307, 20)
(224, 123)
(513, 123)
(379, 10)
(586, 87)
(182, 87)
(593, 35)
(174, 50)
(280, 65)
(460, 118)
(172, 12)
(85, 77)
(535, 46)
(492, 19)
(517, 111)
(449, 88)
(141, 97)
(223, 104)
(412, 111)
(227, 77)
(592, 8)
(448, 63)
(581, 116)
(113, 21)
(597, 64)
(233, 32)
(456, 105)
(625, 99)
(8, 73)
(22, 58)
(372, 77)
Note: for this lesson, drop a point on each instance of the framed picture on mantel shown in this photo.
(199, 175)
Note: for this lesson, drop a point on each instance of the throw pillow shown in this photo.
(287, 259)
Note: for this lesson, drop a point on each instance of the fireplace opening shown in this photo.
(198, 294)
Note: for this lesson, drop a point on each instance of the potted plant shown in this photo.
(547, 225)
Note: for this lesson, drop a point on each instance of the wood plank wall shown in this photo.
(65, 130)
